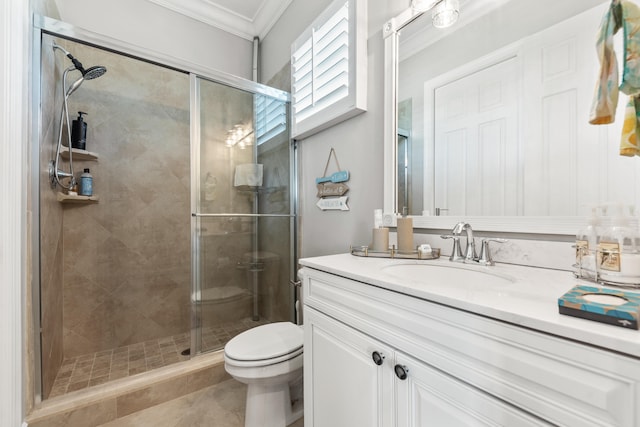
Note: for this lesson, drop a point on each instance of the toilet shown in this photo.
(268, 358)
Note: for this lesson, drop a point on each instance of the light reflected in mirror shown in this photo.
(493, 114)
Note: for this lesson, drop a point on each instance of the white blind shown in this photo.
(271, 117)
(320, 66)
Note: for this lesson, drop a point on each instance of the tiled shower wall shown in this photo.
(127, 258)
(51, 231)
(116, 272)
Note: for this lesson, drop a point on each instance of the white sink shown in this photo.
(448, 275)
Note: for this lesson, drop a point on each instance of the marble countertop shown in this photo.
(525, 296)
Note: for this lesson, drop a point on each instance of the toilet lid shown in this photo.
(264, 342)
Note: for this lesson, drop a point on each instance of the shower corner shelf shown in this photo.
(78, 154)
(66, 198)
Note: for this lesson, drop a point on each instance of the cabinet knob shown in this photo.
(401, 371)
(378, 358)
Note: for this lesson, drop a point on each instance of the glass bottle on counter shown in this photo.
(586, 246)
(618, 256)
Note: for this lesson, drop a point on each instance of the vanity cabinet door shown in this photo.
(429, 397)
(348, 376)
(463, 369)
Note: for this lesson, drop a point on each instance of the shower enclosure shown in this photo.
(189, 237)
(242, 211)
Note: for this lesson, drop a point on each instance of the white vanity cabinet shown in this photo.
(461, 369)
(358, 381)
(349, 387)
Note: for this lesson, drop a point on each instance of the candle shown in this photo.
(380, 239)
(405, 234)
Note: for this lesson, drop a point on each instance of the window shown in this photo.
(328, 68)
(271, 117)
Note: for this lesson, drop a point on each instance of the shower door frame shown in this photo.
(44, 25)
(196, 344)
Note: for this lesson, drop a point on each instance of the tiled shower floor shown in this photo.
(92, 369)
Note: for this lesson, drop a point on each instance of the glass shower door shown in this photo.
(242, 219)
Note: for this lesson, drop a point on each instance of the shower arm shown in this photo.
(76, 64)
(64, 118)
(86, 74)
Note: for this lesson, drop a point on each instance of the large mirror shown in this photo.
(489, 119)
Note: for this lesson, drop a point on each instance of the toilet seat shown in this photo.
(265, 345)
(268, 359)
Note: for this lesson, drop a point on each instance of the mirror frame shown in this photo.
(560, 225)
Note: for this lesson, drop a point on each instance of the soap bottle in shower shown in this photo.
(79, 132)
(86, 183)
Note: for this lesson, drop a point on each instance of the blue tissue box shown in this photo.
(624, 312)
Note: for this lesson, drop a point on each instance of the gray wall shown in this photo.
(156, 28)
(358, 142)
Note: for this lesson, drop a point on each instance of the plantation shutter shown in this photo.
(271, 117)
(323, 69)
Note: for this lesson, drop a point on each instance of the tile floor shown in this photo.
(97, 368)
(216, 337)
(221, 405)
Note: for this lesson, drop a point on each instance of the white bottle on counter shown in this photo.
(618, 258)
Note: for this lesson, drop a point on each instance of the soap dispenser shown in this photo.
(79, 132)
(618, 258)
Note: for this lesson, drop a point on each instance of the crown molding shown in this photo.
(214, 15)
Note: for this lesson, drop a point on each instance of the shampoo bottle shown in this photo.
(86, 183)
(79, 132)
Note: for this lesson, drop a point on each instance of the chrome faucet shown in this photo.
(456, 253)
(485, 255)
(470, 251)
(470, 255)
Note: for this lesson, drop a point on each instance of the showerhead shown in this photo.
(94, 72)
(87, 74)
(74, 86)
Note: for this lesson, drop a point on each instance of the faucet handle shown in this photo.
(485, 254)
(456, 252)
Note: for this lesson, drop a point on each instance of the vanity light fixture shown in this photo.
(445, 12)
(423, 5)
(239, 136)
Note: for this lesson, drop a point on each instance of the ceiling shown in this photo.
(244, 18)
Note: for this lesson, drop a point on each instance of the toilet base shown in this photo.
(270, 405)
